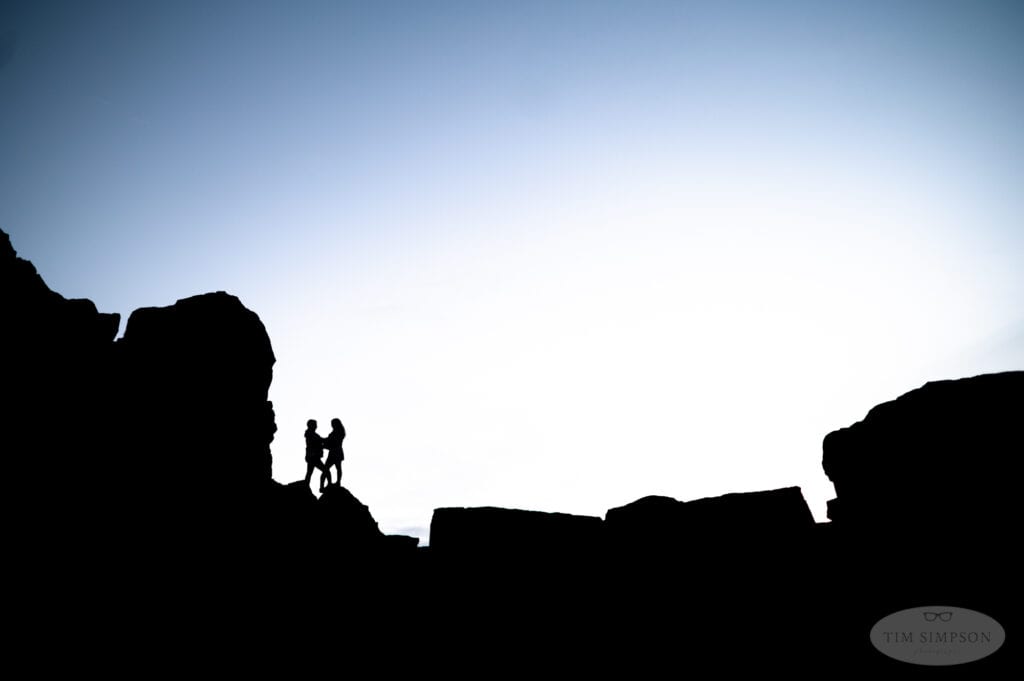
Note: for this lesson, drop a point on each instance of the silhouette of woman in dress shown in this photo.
(314, 453)
(335, 455)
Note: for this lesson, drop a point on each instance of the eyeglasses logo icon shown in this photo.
(944, 616)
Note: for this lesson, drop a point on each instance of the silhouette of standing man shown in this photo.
(314, 452)
(334, 453)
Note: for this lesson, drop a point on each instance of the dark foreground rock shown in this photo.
(143, 450)
(926, 504)
(489, 530)
(170, 531)
(939, 460)
(194, 379)
(347, 520)
(663, 524)
(57, 358)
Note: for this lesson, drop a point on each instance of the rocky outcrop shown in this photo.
(161, 510)
(161, 438)
(55, 353)
(489, 530)
(347, 521)
(175, 412)
(193, 411)
(664, 524)
(937, 460)
(925, 504)
(650, 525)
(57, 359)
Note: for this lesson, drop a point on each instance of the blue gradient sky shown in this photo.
(551, 255)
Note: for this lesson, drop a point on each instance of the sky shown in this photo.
(544, 255)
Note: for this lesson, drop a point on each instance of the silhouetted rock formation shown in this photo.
(290, 509)
(662, 523)
(939, 458)
(162, 437)
(491, 530)
(347, 520)
(338, 525)
(57, 357)
(55, 351)
(925, 508)
(163, 511)
(194, 382)
(654, 523)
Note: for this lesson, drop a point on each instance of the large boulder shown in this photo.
(193, 412)
(171, 422)
(664, 524)
(346, 520)
(939, 460)
(925, 510)
(490, 530)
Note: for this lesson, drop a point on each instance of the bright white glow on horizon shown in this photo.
(687, 340)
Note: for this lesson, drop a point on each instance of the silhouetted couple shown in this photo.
(315, 446)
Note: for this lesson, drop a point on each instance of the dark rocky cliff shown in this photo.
(57, 354)
(151, 446)
(939, 459)
(193, 413)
